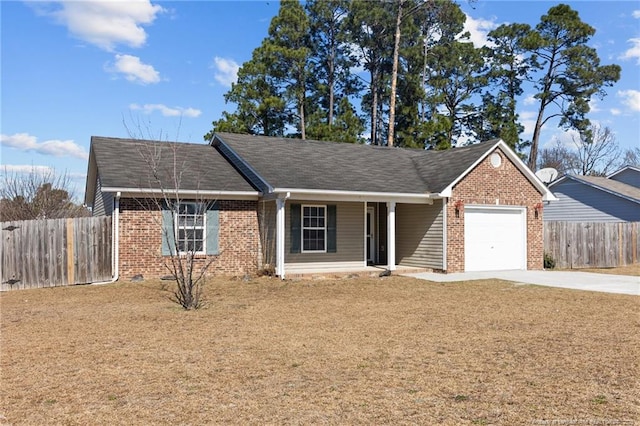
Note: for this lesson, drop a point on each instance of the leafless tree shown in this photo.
(592, 153)
(182, 219)
(165, 179)
(598, 153)
(631, 157)
(37, 194)
(559, 157)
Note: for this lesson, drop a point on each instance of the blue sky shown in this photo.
(73, 69)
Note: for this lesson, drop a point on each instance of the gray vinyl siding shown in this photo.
(419, 235)
(349, 234)
(267, 224)
(578, 202)
(630, 177)
(102, 202)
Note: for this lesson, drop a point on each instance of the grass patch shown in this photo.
(633, 270)
(353, 351)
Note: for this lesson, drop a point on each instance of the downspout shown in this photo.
(116, 239)
(445, 225)
(115, 242)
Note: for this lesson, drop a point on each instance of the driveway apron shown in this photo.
(606, 283)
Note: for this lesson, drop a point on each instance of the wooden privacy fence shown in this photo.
(592, 244)
(55, 252)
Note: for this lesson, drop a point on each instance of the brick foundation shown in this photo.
(504, 186)
(141, 239)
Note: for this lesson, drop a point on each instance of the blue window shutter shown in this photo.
(213, 228)
(168, 232)
(331, 228)
(296, 217)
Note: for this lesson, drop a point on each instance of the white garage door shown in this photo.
(494, 239)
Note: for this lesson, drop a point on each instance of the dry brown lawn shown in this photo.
(633, 270)
(352, 351)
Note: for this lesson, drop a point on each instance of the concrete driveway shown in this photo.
(606, 283)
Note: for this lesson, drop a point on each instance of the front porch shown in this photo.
(355, 237)
(311, 271)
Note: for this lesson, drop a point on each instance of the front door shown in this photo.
(371, 238)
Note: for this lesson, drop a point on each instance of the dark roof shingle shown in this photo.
(309, 164)
(130, 163)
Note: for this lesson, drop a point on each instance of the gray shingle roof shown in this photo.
(309, 164)
(129, 163)
(611, 185)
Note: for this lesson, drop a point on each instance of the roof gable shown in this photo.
(628, 174)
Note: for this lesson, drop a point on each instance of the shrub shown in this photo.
(549, 261)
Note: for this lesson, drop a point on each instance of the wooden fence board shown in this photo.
(55, 252)
(591, 244)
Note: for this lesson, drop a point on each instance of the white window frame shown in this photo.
(202, 207)
(303, 228)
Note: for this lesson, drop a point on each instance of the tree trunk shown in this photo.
(533, 153)
(394, 78)
(331, 82)
(374, 109)
(302, 124)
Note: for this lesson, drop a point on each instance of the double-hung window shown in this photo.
(190, 227)
(314, 228)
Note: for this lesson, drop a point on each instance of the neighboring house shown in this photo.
(628, 174)
(596, 199)
(299, 205)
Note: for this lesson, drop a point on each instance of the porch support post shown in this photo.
(280, 203)
(391, 235)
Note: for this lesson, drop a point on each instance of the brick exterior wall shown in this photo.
(483, 186)
(141, 239)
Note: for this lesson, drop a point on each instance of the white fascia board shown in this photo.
(540, 186)
(217, 195)
(360, 196)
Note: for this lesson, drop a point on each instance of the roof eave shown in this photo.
(358, 196)
(185, 193)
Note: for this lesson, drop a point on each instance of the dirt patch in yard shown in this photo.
(353, 351)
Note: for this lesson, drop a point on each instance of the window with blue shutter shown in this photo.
(190, 227)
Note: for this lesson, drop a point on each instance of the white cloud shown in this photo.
(134, 70)
(103, 23)
(630, 98)
(615, 111)
(478, 29)
(54, 147)
(634, 51)
(226, 71)
(636, 14)
(566, 138)
(26, 168)
(528, 120)
(530, 100)
(593, 106)
(166, 111)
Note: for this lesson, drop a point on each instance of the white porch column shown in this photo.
(280, 203)
(391, 235)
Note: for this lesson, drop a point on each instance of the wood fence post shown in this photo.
(70, 253)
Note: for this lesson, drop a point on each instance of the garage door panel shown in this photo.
(494, 239)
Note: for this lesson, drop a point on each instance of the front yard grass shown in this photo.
(353, 351)
(633, 270)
